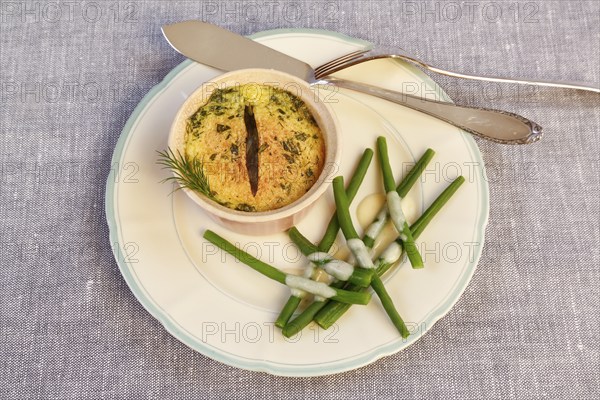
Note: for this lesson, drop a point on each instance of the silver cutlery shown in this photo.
(225, 50)
(361, 56)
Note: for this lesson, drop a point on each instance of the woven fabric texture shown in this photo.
(70, 328)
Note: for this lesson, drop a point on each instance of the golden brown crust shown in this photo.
(291, 155)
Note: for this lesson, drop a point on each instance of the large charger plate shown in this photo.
(225, 310)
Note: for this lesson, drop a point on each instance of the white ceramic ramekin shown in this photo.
(266, 222)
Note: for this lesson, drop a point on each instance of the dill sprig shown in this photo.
(188, 173)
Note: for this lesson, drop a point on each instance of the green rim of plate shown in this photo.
(263, 365)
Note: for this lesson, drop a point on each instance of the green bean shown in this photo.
(332, 311)
(302, 320)
(269, 271)
(401, 225)
(330, 233)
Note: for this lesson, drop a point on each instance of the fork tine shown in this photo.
(340, 66)
(340, 58)
(338, 61)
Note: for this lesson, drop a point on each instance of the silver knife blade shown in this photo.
(225, 50)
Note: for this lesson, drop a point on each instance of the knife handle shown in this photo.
(495, 125)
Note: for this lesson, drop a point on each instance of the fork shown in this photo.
(360, 56)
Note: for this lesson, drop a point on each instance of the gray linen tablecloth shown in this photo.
(71, 74)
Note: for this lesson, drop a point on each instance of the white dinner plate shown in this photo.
(224, 309)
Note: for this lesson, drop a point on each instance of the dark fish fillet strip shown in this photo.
(252, 146)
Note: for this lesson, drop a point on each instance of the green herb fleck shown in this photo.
(301, 136)
(223, 128)
(290, 158)
(263, 147)
(286, 186)
(275, 99)
(245, 207)
(290, 146)
(218, 110)
(218, 96)
(297, 102)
